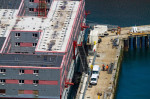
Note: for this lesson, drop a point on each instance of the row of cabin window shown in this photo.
(2, 81)
(33, 35)
(18, 44)
(21, 71)
(3, 91)
(32, 9)
(47, 1)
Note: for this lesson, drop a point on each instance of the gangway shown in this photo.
(83, 58)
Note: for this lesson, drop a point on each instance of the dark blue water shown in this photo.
(134, 80)
(119, 12)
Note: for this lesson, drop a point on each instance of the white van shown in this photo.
(96, 70)
(94, 79)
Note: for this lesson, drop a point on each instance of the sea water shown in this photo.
(119, 12)
(134, 79)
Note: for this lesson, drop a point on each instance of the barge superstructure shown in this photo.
(36, 47)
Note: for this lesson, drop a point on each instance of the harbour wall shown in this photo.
(132, 42)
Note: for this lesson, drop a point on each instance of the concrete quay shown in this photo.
(108, 54)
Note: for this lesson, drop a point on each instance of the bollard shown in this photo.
(99, 95)
(94, 42)
(91, 67)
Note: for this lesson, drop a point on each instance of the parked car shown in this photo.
(96, 70)
(94, 79)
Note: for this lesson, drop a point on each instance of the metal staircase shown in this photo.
(42, 8)
(83, 58)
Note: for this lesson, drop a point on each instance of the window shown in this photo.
(47, 9)
(20, 91)
(16, 58)
(48, 1)
(17, 52)
(93, 79)
(17, 44)
(2, 80)
(31, 9)
(95, 72)
(35, 81)
(31, 1)
(35, 92)
(34, 44)
(45, 58)
(17, 34)
(21, 81)
(35, 71)
(2, 91)
(35, 35)
(21, 71)
(2, 70)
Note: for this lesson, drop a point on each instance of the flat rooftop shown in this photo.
(55, 28)
(58, 26)
(7, 21)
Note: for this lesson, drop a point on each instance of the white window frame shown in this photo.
(21, 81)
(2, 81)
(34, 35)
(21, 71)
(35, 71)
(31, 9)
(34, 44)
(17, 44)
(2, 70)
(47, 1)
(17, 35)
(31, 0)
(35, 82)
(47, 9)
